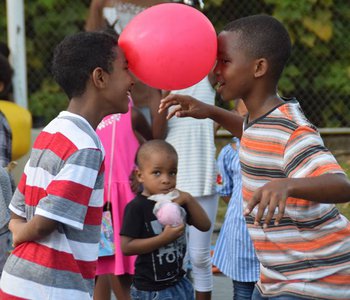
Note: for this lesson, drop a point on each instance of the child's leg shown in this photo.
(121, 285)
(243, 290)
(199, 250)
(102, 289)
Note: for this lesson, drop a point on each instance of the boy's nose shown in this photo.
(166, 179)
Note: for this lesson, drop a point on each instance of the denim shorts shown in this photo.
(183, 290)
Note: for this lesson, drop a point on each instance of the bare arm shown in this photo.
(95, 19)
(159, 120)
(37, 228)
(197, 216)
(131, 246)
(187, 106)
(140, 126)
(327, 188)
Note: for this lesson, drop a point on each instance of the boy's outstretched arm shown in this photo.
(187, 106)
(327, 188)
(137, 246)
(196, 214)
(37, 228)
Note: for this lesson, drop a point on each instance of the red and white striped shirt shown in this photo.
(62, 181)
(308, 254)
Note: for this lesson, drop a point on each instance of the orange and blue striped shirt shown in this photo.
(308, 253)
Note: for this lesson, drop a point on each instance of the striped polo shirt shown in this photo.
(62, 181)
(308, 254)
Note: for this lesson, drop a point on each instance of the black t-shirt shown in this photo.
(163, 267)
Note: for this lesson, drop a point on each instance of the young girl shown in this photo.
(120, 139)
(160, 250)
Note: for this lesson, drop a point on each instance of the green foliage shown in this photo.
(48, 101)
(318, 73)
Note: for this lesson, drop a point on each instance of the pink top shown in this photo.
(117, 188)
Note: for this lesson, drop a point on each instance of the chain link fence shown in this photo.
(318, 73)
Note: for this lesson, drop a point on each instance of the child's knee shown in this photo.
(201, 259)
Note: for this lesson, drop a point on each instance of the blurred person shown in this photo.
(5, 129)
(5, 198)
(234, 253)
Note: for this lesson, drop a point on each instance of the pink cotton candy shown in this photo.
(169, 213)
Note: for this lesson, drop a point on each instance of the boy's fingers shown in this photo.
(281, 209)
(260, 213)
(252, 203)
(269, 215)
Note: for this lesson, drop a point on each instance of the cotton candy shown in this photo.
(166, 211)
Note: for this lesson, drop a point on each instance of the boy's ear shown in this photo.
(139, 175)
(2, 86)
(99, 77)
(261, 67)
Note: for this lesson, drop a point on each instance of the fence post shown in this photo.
(16, 43)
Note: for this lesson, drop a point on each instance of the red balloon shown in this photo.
(170, 46)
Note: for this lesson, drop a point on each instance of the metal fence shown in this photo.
(318, 73)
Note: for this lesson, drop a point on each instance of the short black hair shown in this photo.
(78, 55)
(6, 73)
(263, 36)
(153, 146)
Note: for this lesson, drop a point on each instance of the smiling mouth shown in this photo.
(219, 86)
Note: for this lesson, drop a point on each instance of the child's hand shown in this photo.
(170, 233)
(14, 227)
(270, 196)
(186, 106)
(183, 198)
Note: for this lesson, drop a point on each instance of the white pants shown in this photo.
(198, 247)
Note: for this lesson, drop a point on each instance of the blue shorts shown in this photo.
(183, 290)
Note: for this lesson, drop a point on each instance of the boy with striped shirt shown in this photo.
(290, 180)
(57, 207)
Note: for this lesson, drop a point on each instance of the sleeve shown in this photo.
(17, 204)
(224, 182)
(132, 221)
(69, 194)
(306, 156)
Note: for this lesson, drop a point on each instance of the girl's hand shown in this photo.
(269, 197)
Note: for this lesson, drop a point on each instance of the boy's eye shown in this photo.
(157, 173)
(173, 173)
